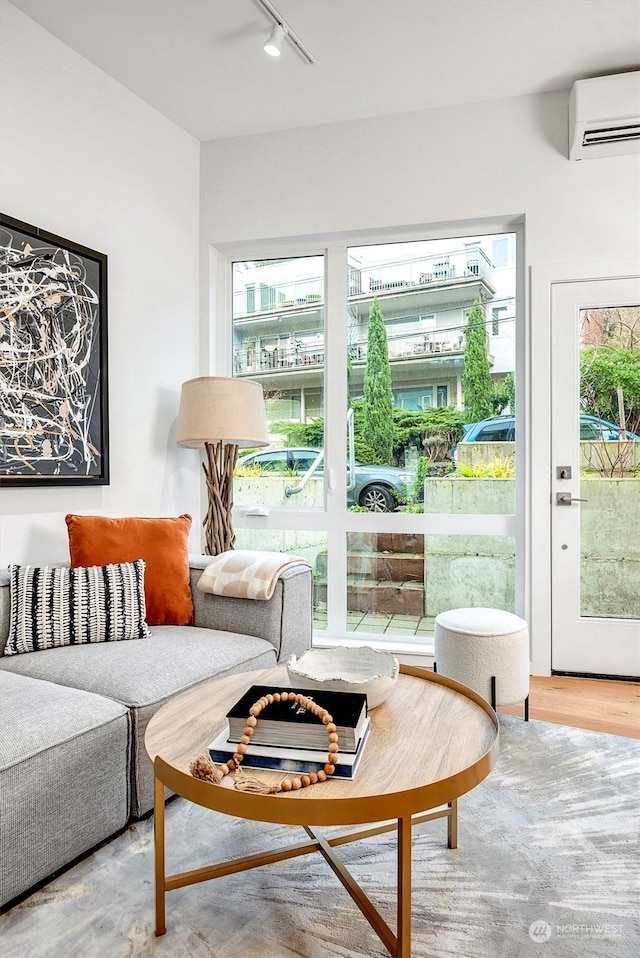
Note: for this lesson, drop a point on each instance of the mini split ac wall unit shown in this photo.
(604, 116)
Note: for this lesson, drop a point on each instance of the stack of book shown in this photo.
(290, 738)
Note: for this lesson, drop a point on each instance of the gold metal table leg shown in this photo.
(404, 888)
(158, 841)
(452, 825)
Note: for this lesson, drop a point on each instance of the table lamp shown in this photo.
(221, 414)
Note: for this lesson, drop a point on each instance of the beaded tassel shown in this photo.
(202, 767)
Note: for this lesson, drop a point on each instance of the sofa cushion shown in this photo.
(52, 607)
(63, 777)
(171, 659)
(162, 543)
(144, 675)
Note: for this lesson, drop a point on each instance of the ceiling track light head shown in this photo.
(282, 31)
(273, 46)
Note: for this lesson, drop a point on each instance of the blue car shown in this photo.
(503, 429)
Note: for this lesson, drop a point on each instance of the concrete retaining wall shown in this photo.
(595, 456)
(480, 570)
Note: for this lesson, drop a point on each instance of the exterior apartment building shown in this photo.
(424, 290)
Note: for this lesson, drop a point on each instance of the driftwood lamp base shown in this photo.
(220, 461)
(221, 413)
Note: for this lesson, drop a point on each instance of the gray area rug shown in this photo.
(547, 866)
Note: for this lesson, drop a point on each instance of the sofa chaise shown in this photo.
(73, 769)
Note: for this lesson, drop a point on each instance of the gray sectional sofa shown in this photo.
(73, 768)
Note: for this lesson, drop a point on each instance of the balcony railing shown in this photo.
(428, 270)
(290, 296)
(281, 357)
(301, 294)
(436, 342)
(409, 345)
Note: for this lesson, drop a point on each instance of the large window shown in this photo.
(378, 363)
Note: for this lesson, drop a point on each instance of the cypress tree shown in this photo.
(378, 395)
(476, 377)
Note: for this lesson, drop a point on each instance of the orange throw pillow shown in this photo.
(162, 543)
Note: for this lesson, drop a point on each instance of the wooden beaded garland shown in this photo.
(205, 769)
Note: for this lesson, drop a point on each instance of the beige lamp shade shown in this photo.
(221, 409)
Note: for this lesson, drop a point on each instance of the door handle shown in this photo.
(565, 499)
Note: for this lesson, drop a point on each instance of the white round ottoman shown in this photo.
(486, 649)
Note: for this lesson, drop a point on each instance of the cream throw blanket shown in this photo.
(245, 574)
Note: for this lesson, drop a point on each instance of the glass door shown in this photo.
(596, 477)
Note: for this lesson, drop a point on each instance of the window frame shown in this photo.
(334, 519)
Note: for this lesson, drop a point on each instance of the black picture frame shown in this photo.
(54, 410)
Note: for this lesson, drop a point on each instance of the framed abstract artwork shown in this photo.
(53, 360)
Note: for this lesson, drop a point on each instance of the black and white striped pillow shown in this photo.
(52, 607)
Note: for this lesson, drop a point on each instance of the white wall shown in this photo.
(500, 160)
(85, 159)
(436, 166)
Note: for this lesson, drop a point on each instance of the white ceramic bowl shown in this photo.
(344, 669)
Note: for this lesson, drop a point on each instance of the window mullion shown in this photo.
(335, 432)
(336, 377)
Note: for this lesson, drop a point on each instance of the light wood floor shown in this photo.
(602, 705)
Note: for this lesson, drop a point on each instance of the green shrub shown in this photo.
(300, 433)
(422, 471)
(249, 471)
(496, 469)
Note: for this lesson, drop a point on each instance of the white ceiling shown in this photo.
(201, 63)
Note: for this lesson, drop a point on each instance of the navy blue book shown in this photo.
(289, 724)
(277, 758)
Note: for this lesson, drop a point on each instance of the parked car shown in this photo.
(502, 429)
(376, 487)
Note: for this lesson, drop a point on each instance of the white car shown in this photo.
(378, 488)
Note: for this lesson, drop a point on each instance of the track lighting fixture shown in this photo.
(282, 31)
(273, 46)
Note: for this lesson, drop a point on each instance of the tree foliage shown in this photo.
(423, 467)
(476, 377)
(434, 432)
(377, 392)
(602, 371)
(504, 395)
(300, 433)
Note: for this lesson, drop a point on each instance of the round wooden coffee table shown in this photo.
(431, 741)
